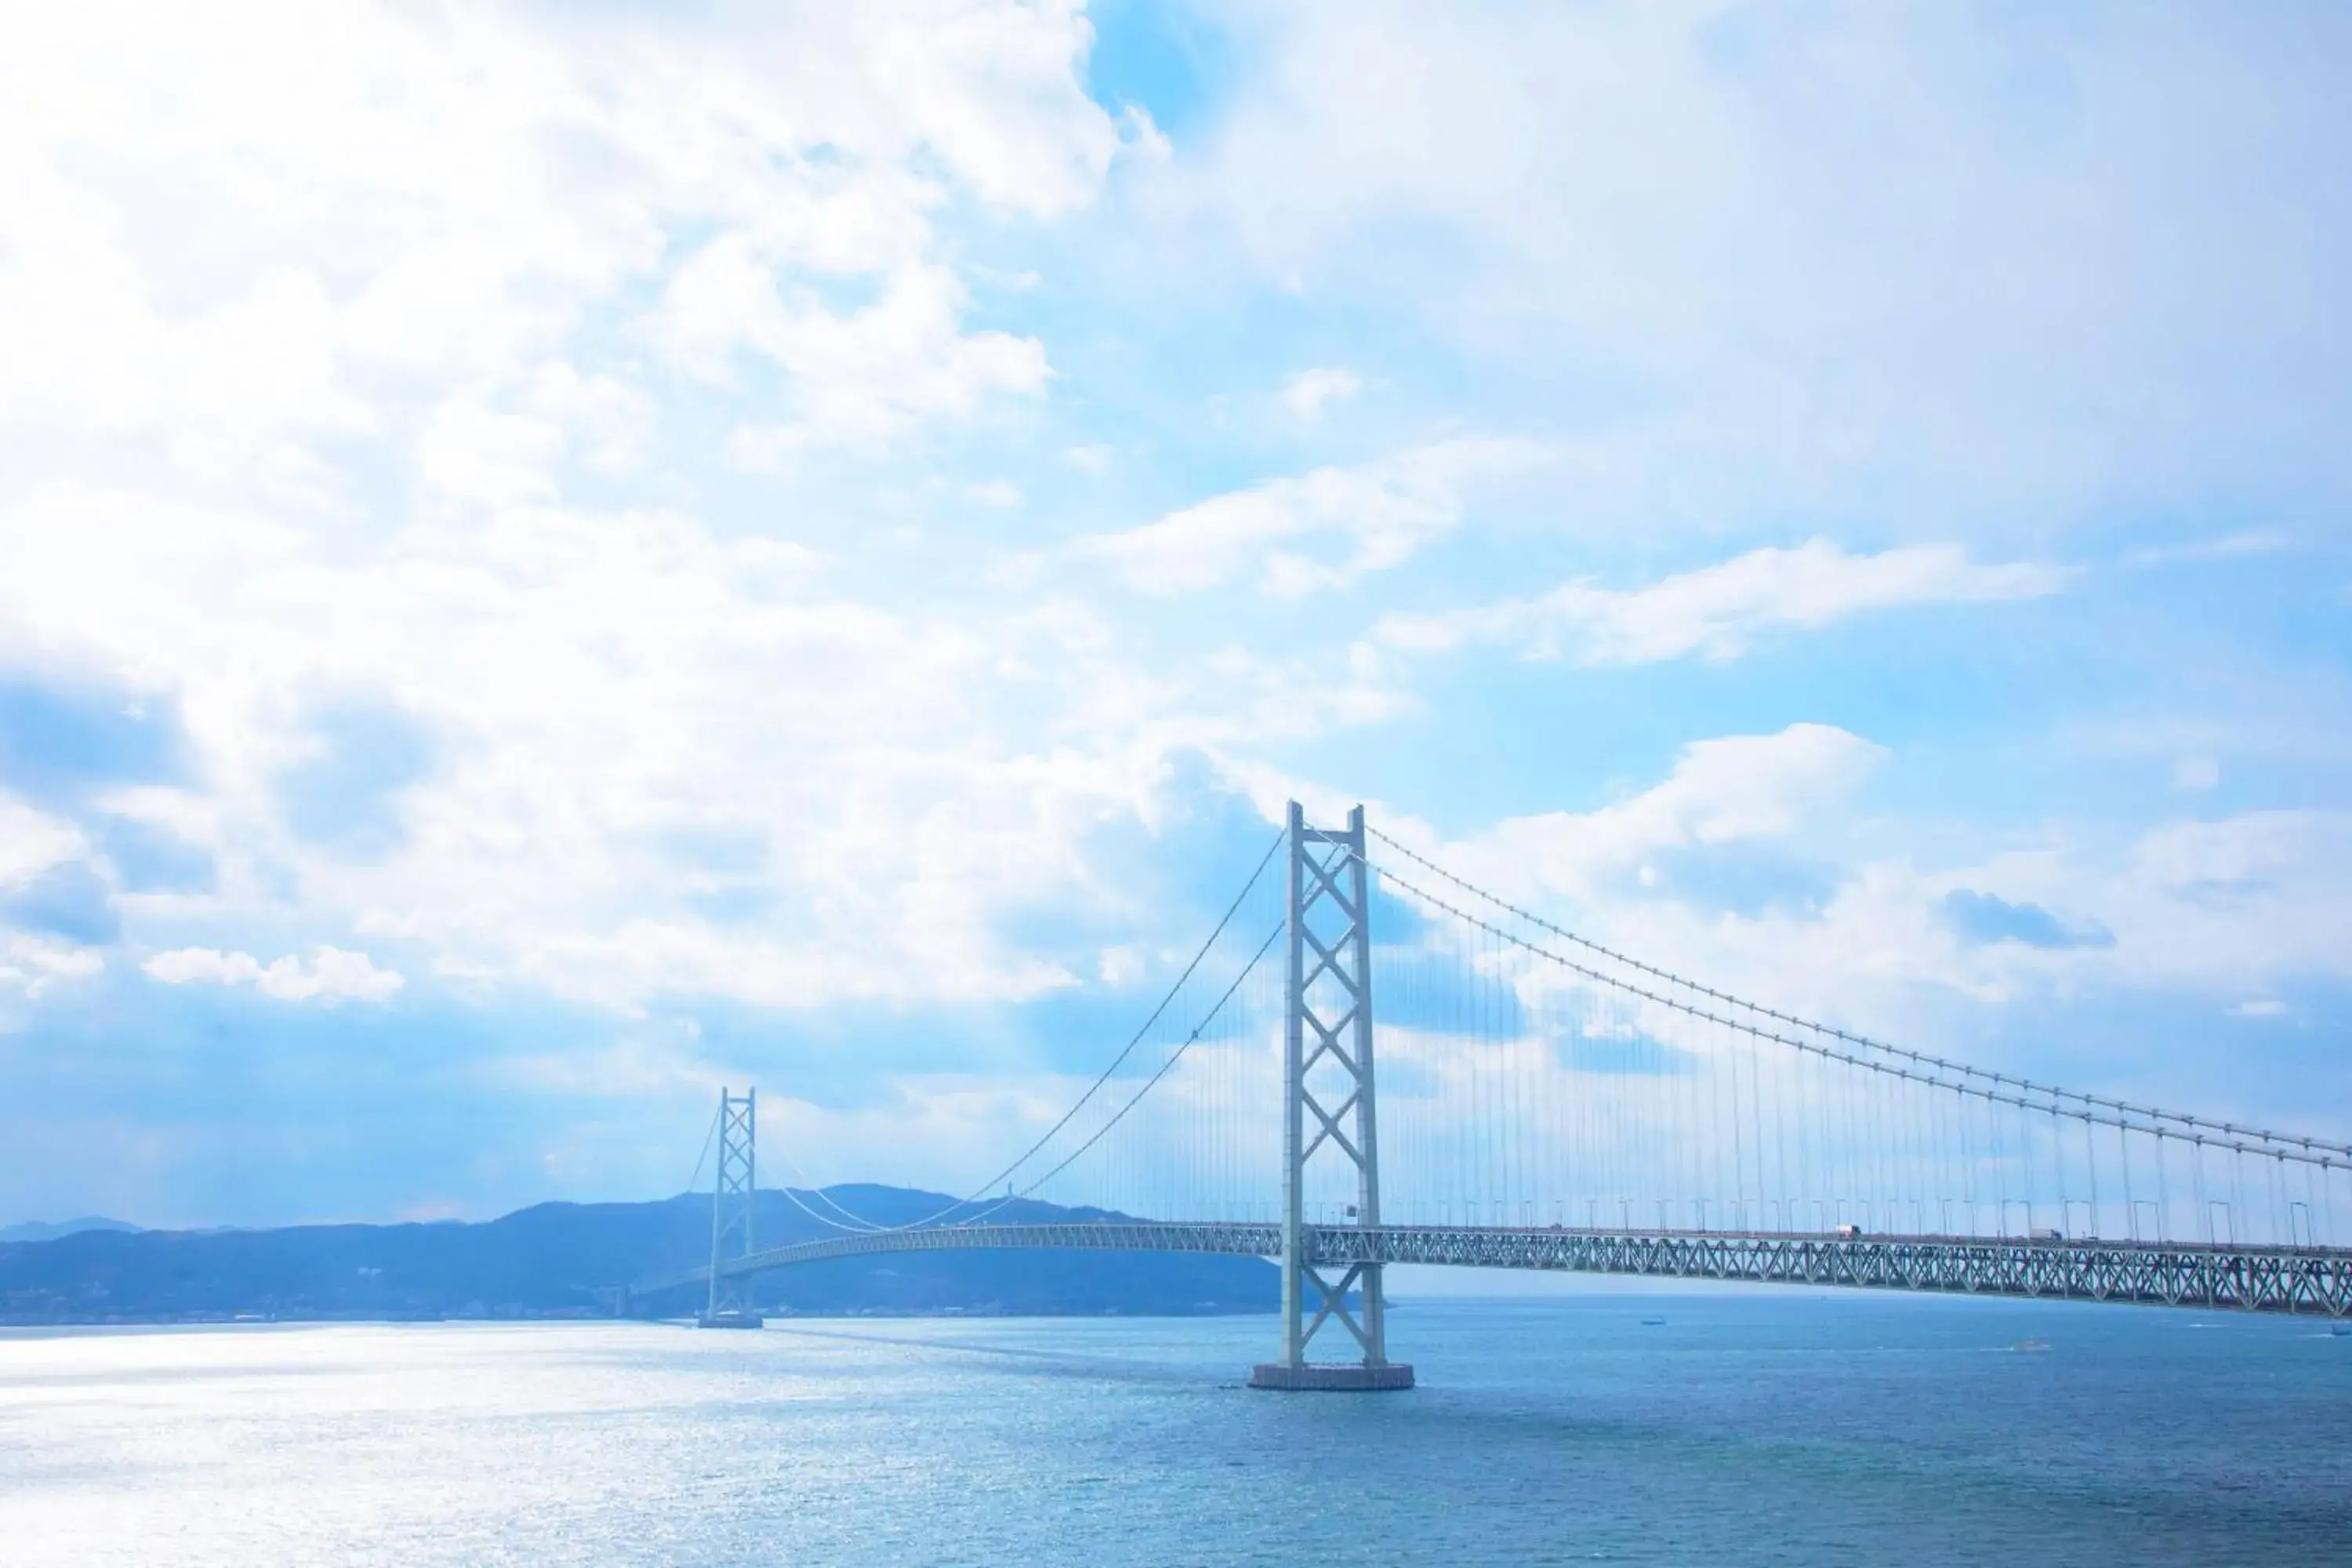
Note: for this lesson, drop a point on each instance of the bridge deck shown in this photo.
(2314, 1281)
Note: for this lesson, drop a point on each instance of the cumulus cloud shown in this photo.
(1369, 518)
(1918, 939)
(52, 904)
(31, 841)
(1721, 792)
(313, 359)
(330, 975)
(590, 688)
(864, 377)
(2223, 906)
(342, 212)
(31, 965)
(1307, 394)
(1718, 612)
(378, 387)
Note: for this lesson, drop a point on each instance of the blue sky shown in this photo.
(553, 557)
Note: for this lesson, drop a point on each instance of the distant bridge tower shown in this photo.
(1327, 1076)
(733, 1191)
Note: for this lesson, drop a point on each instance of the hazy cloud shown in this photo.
(329, 974)
(1324, 528)
(1718, 612)
(1307, 394)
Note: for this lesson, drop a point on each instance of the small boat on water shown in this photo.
(2031, 1345)
(2339, 1330)
(1655, 1322)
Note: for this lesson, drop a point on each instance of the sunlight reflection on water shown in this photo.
(1770, 1429)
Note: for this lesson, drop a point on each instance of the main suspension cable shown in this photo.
(2286, 1143)
(1118, 1061)
(1148, 1084)
(2318, 1153)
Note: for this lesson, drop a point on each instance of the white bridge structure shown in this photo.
(1544, 1102)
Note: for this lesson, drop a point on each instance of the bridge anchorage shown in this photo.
(1555, 1104)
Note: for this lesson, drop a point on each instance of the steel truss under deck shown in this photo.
(2313, 1282)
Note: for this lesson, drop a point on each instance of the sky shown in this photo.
(556, 556)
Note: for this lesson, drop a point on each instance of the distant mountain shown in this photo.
(568, 1260)
(42, 1230)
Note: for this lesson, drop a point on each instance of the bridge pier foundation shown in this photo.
(1347, 1377)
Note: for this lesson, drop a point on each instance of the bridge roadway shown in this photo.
(2310, 1281)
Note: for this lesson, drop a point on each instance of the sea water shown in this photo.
(1785, 1429)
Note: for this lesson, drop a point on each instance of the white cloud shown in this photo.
(33, 966)
(332, 974)
(1378, 515)
(1307, 394)
(1734, 789)
(313, 355)
(865, 376)
(603, 688)
(1709, 212)
(332, 332)
(31, 841)
(1140, 138)
(1791, 788)
(1717, 612)
(1121, 967)
(2224, 910)
(339, 214)
(468, 452)
(2226, 906)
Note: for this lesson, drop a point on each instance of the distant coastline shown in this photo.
(560, 1261)
(42, 1230)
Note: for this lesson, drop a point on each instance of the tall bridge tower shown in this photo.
(1328, 1107)
(734, 1192)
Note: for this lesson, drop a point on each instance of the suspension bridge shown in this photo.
(1546, 1102)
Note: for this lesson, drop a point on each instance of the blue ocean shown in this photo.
(1721, 1429)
